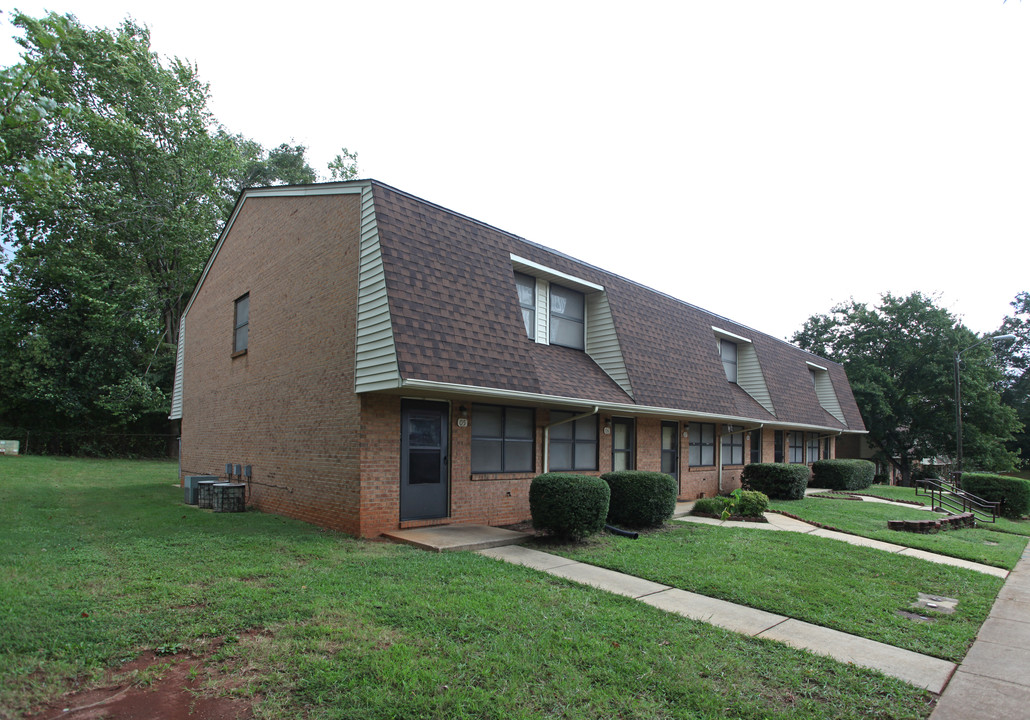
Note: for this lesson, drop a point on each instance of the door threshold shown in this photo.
(429, 522)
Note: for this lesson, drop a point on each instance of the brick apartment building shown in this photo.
(381, 362)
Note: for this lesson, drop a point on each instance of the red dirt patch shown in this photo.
(174, 693)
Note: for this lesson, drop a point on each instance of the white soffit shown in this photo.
(537, 270)
(727, 335)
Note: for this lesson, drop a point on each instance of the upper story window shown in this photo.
(241, 324)
(824, 391)
(567, 317)
(728, 353)
(526, 285)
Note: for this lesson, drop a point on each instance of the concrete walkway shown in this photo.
(919, 670)
(782, 522)
(993, 680)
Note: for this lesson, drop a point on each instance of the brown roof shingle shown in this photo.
(456, 319)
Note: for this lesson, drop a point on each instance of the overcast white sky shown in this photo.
(764, 160)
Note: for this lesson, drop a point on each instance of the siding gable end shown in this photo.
(602, 342)
(825, 392)
(375, 354)
(180, 353)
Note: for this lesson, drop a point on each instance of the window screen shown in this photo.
(241, 330)
(567, 317)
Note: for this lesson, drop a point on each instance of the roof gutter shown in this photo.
(616, 408)
(547, 433)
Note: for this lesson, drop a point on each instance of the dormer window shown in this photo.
(728, 353)
(740, 363)
(825, 392)
(526, 285)
(567, 317)
(562, 309)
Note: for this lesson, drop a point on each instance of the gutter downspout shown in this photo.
(547, 433)
(735, 432)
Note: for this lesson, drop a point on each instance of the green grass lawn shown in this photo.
(869, 519)
(893, 492)
(101, 561)
(826, 582)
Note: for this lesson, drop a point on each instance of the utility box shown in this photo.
(9, 447)
(189, 485)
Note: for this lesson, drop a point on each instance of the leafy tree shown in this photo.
(284, 164)
(21, 107)
(344, 166)
(116, 182)
(1016, 383)
(900, 359)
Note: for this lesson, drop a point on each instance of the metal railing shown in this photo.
(947, 495)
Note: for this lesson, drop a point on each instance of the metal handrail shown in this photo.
(946, 494)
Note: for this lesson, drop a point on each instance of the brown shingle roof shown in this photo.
(456, 319)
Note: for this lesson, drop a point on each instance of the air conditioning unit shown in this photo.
(189, 484)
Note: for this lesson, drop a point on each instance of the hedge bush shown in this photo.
(567, 505)
(751, 503)
(640, 498)
(710, 505)
(779, 481)
(1013, 493)
(843, 474)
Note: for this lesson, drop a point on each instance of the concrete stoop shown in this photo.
(440, 538)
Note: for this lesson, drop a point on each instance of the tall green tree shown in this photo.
(116, 182)
(1016, 382)
(900, 359)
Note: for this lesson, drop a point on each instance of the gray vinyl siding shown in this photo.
(827, 397)
(375, 357)
(750, 377)
(602, 343)
(180, 352)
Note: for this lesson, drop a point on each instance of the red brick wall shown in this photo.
(492, 499)
(287, 406)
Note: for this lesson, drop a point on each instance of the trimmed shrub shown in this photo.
(1013, 493)
(567, 505)
(779, 481)
(710, 505)
(640, 498)
(751, 503)
(746, 503)
(842, 474)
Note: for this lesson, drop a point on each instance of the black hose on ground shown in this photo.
(624, 533)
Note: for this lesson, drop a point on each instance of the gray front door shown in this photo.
(423, 459)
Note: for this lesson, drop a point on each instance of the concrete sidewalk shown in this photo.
(783, 522)
(993, 680)
(919, 670)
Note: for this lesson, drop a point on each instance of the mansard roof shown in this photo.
(438, 310)
(456, 320)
